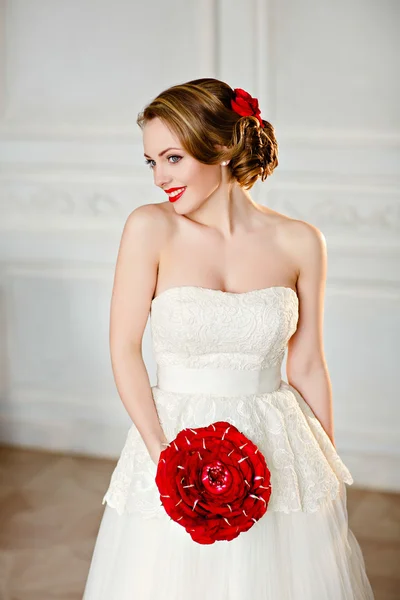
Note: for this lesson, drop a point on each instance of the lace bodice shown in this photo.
(205, 329)
(199, 327)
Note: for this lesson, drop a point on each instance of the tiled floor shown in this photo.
(50, 510)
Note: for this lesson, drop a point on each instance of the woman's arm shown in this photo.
(134, 284)
(306, 366)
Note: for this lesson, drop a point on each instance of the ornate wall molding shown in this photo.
(349, 208)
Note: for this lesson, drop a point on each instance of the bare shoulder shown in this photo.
(150, 221)
(306, 245)
(300, 238)
(148, 215)
(304, 236)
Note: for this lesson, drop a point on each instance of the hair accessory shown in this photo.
(245, 105)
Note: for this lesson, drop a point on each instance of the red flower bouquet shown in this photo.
(214, 482)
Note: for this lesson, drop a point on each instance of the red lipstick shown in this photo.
(173, 189)
(175, 198)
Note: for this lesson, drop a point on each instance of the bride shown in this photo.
(230, 286)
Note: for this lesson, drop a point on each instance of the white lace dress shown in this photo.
(219, 357)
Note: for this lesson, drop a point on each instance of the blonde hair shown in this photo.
(199, 112)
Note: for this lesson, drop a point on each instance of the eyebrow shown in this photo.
(163, 152)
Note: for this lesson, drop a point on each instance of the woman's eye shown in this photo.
(174, 156)
(149, 162)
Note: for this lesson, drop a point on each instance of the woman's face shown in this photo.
(176, 169)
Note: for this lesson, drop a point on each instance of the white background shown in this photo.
(73, 76)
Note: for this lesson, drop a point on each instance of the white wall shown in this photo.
(73, 76)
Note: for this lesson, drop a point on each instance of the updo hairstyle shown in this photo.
(199, 112)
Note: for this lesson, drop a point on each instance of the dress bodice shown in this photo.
(198, 327)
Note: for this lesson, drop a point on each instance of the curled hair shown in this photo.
(199, 112)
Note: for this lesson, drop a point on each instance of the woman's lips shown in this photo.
(175, 198)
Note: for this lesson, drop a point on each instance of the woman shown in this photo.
(230, 285)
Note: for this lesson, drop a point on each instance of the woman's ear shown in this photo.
(222, 149)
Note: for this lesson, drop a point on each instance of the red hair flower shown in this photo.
(214, 482)
(245, 105)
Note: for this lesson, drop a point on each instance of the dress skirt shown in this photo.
(284, 556)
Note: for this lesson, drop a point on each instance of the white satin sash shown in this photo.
(221, 382)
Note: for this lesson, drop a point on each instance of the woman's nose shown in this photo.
(161, 178)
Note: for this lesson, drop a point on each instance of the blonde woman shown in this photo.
(229, 285)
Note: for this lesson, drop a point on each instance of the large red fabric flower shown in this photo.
(214, 482)
(245, 105)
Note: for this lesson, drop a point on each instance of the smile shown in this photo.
(176, 194)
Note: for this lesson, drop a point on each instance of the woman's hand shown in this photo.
(156, 451)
